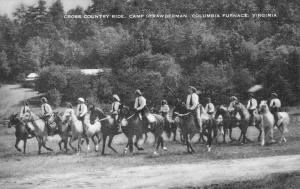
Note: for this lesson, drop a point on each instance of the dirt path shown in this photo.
(11, 98)
(162, 176)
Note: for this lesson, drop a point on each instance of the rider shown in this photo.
(115, 110)
(164, 109)
(69, 108)
(46, 113)
(192, 105)
(275, 106)
(25, 110)
(252, 106)
(81, 112)
(210, 108)
(140, 107)
(233, 100)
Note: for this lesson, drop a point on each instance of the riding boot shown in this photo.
(48, 128)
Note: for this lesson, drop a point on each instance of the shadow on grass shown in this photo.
(278, 180)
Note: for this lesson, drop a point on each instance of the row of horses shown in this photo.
(99, 126)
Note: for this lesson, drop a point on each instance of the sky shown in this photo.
(8, 6)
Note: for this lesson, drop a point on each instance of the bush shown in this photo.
(52, 77)
(54, 97)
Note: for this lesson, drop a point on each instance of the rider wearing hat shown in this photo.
(252, 106)
(24, 113)
(192, 105)
(275, 106)
(164, 110)
(81, 111)
(46, 113)
(115, 110)
(140, 103)
(233, 100)
(210, 108)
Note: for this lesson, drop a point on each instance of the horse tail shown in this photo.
(285, 122)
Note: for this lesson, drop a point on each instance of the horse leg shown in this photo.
(209, 139)
(130, 142)
(16, 145)
(88, 144)
(44, 144)
(174, 132)
(103, 145)
(79, 145)
(230, 134)
(109, 143)
(59, 144)
(70, 143)
(136, 144)
(98, 141)
(146, 137)
(95, 143)
(24, 146)
(39, 144)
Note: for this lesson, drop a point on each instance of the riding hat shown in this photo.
(138, 92)
(193, 89)
(116, 97)
(81, 99)
(44, 99)
(274, 94)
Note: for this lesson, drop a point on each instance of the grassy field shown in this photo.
(15, 165)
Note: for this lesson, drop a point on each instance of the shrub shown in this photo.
(54, 97)
(52, 77)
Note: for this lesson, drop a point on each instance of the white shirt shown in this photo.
(210, 108)
(275, 102)
(115, 107)
(192, 101)
(24, 111)
(140, 103)
(164, 108)
(252, 104)
(46, 109)
(81, 110)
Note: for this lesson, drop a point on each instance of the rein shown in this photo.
(182, 115)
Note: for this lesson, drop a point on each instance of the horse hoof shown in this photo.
(88, 148)
(125, 151)
(155, 153)
(165, 148)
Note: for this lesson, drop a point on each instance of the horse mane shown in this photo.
(242, 110)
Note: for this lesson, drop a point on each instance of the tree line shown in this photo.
(219, 56)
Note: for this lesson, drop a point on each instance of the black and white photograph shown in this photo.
(150, 94)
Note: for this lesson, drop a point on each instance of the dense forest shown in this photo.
(220, 56)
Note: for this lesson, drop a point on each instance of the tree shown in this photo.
(4, 66)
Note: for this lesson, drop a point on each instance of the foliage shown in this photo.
(54, 97)
(221, 57)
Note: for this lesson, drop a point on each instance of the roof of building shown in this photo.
(94, 71)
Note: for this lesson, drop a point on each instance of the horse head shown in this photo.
(96, 113)
(13, 120)
(263, 106)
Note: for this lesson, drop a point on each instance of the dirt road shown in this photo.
(11, 98)
(161, 176)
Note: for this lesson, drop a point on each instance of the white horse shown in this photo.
(40, 130)
(92, 130)
(282, 124)
(267, 122)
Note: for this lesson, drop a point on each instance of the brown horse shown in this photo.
(21, 132)
(244, 120)
(108, 128)
(189, 128)
(134, 126)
